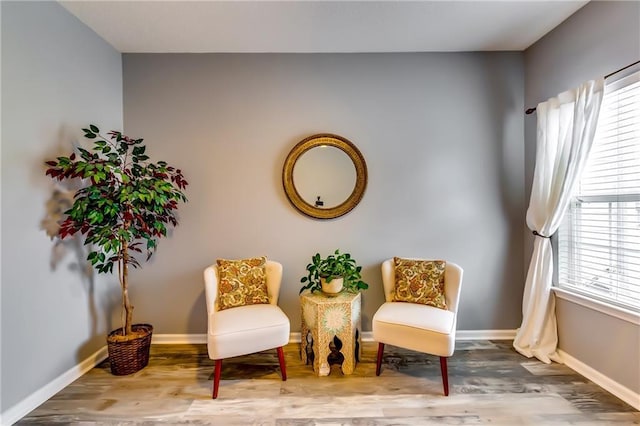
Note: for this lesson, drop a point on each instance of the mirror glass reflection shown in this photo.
(324, 176)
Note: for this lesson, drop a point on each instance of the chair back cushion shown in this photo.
(212, 282)
(242, 282)
(420, 281)
(452, 283)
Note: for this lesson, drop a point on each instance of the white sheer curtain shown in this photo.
(566, 128)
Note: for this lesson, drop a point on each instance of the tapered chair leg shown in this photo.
(216, 378)
(445, 375)
(379, 358)
(283, 367)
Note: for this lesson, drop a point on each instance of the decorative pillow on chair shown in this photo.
(242, 282)
(420, 281)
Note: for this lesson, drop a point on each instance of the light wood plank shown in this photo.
(489, 383)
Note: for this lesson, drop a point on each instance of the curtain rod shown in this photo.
(532, 110)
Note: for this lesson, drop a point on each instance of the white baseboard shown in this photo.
(486, 334)
(624, 393)
(178, 339)
(28, 404)
(367, 336)
(295, 337)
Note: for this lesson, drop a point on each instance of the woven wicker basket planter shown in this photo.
(130, 356)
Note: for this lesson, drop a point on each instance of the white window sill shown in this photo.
(596, 305)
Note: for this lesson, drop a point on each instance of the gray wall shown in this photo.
(442, 135)
(57, 75)
(598, 39)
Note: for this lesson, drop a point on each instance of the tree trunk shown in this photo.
(126, 303)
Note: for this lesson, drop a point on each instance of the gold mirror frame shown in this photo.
(348, 148)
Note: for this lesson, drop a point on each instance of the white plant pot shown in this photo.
(332, 288)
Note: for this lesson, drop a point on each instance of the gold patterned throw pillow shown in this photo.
(242, 282)
(420, 281)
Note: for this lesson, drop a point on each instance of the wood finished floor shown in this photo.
(490, 383)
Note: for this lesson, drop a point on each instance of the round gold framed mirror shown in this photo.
(324, 176)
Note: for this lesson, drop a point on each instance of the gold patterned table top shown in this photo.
(320, 297)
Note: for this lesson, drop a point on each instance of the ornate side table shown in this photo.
(330, 331)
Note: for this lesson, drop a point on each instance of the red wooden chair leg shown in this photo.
(379, 359)
(283, 367)
(216, 378)
(445, 375)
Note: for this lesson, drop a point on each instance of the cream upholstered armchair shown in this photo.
(417, 326)
(245, 329)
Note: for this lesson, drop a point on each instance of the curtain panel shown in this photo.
(565, 133)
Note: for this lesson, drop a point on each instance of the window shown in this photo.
(599, 240)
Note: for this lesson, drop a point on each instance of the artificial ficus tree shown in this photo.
(125, 206)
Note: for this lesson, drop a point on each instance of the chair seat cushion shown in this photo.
(415, 326)
(246, 329)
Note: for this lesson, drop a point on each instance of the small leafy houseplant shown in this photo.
(124, 206)
(335, 266)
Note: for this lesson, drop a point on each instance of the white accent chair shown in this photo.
(415, 326)
(245, 329)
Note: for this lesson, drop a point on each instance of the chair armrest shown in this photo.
(274, 280)
(388, 279)
(211, 288)
(453, 283)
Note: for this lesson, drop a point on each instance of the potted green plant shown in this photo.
(124, 206)
(332, 274)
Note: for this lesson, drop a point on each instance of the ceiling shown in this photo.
(321, 26)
